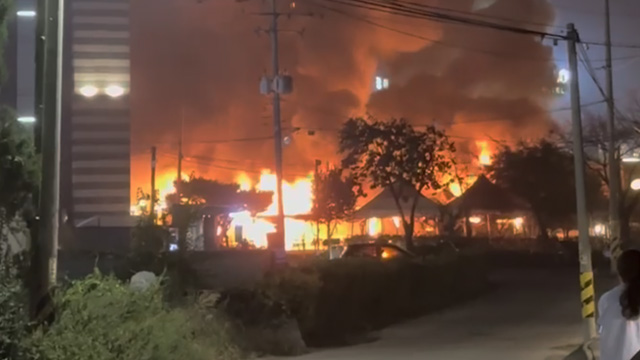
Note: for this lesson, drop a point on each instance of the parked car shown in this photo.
(376, 251)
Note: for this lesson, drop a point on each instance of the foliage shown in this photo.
(386, 153)
(6, 6)
(543, 174)
(149, 237)
(596, 145)
(19, 173)
(220, 198)
(334, 197)
(100, 318)
(335, 301)
(14, 316)
(227, 196)
(149, 245)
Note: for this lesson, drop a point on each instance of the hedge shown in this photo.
(336, 301)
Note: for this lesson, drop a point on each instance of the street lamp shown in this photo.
(27, 119)
(26, 13)
(635, 185)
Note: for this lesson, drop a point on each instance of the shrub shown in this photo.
(263, 315)
(333, 301)
(101, 318)
(14, 314)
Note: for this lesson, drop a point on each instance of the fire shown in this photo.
(164, 186)
(455, 189)
(244, 181)
(298, 200)
(375, 226)
(297, 196)
(485, 153)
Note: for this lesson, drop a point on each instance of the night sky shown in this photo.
(204, 60)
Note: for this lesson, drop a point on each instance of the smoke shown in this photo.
(205, 60)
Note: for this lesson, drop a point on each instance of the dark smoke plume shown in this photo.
(207, 58)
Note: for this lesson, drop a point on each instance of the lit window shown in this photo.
(114, 91)
(89, 91)
(385, 83)
(378, 83)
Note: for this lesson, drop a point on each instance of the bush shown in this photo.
(101, 318)
(14, 315)
(335, 301)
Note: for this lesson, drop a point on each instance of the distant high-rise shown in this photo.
(96, 113)
(18, 88)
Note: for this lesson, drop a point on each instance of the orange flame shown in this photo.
(298, 200)
(485, 153)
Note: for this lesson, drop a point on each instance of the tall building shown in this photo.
(96, 113)
(18, 89)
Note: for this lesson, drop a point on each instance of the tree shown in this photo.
(19, 174)
(596, 143)
(223, 198)
(334, 198)
(543, 174)
(386, 153)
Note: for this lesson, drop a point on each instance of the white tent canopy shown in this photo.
(384, 206)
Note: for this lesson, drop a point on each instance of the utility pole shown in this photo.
(179, 178)
(614, 164)
(51, 119)
(277, 124)
(316, 180)
(153, 183)
(587, 294)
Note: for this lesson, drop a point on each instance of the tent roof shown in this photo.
(384, 205)
(485, 196)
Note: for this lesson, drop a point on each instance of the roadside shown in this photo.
(533, 315)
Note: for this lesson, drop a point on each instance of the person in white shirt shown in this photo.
(619, 312)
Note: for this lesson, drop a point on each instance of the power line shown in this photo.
(584, 59)
(486, 16)
(209, 162)
(430, 40)
(404, 9)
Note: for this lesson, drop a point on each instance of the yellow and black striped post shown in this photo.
(615, 250)
(587, 295)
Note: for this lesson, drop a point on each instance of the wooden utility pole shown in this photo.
(613, 158)
(587, 294)
(153, 182)
(316, 178)
(179, 175)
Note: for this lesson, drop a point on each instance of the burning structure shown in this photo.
(479, 85)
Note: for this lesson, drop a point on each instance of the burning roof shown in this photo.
(485, 196)
(384, 205)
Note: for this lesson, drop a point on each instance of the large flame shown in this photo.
(485, 153)
(298, 200)
(297, 196)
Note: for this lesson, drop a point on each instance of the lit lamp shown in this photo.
(635, 184)
(114, 91)
(88, 91)
(27, 119)
(26, 13)
(475, 220)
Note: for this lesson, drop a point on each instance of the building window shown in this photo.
(382, 83)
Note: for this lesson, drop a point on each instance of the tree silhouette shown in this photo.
(335, 198)
(386, 153)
